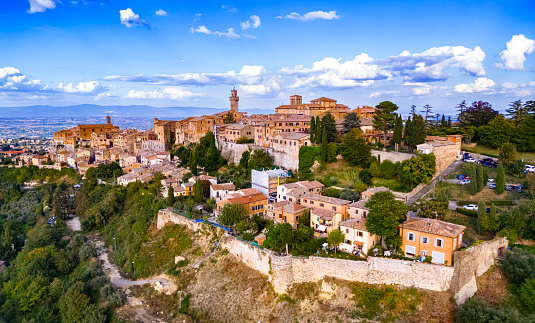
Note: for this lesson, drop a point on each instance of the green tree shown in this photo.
(481, 214)
(479, 177)
(193, 162)
(398, 130)
(473, 180)
(312, 129)
(304, 220)
(517, 112)
(244, 160)
(530, 185)
(198, 191)
(508, 154)
(374, 169)
(432, 210)
(260, 159)
(497, 132)
(485, 177)
(355, 149)
(170, 196)
(229, 118)
(388, 169)
(500, 180)
(231, 214)
(405, 129)
(351, 120)
(324, 145)
(493, 226)
(329, 126)
(280, 236)
(415, 132)
(384, 117)
(360, 187)
(318, 131)
(418, 169)
(526, 292)
(335, 238)
(442, 197)
(385, 215)
(74, 303)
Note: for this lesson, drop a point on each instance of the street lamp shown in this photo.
(134, 268)
(115, 243)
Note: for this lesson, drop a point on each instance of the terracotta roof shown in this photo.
(287, 206)
(248, 199)
(324, 99)
(298, 191)
(359, 224)
(326, 199)
(326, 215)
(294, 135)
(223, 187)
(359, 204)
(311, 184)
(433, 226)
(366, 122)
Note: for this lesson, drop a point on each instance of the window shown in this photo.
(312, 202)
(410, 236)
(254, 208)
(360, 234)
(424, 253)
(280, 215)
(321, 205)
(409, 250)
(424, 240)
(348, 241)
(439, 242)
(454, 242)
(347, 230)
(334, 208)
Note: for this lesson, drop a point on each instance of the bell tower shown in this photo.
(234, 98)
(108, 120)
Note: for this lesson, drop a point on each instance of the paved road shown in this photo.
(431, 185)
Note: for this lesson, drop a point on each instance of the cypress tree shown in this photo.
(449, 122)
(312, 129)
(443, 123)
(485, 177)
(398, 130)
(481, 212)
(170, 196)
(318, 130)
(407, 126)
(324, 147)
(473, 180)
(492, 218)
(479, 175)
(500, 180)
(193, 162)
(329, 125)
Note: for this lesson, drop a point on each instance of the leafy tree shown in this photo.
(386, 213)
(526, 292)
(318, 130)
(349, 195)
(365, 177)
(479, 177)
(500, 180)
(312, 129)
(530, 185)
(374, 169)
(415, 132)
(427, 112)
(335, 238)
(432, 210)
(170, 196)
(260, 159)
(497, 132)
(384, 117)
(481, 214)
(324, 146)
(360, 187)
(193, 162)
(418, 169)
(229, 118)
(517, 111)
(332, 152)
(398, 130)
(518, 266)
(388, 169)
(231, 214)
(280, 236)
(331, 192)
(355, 149)
(473, 180)
(351, 120)
(74, 303)
(442, 198)
(524, 137)
(329, 126)
(304, 220)
(479, 114)
(244, 160)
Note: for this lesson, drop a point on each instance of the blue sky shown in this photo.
(184, 53)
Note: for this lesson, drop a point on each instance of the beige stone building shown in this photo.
(234, 131)
(445, 151)
(357, 238)
(292, 191)
(317, 107)
(285, 212)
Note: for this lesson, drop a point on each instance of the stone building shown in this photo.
(357, 238)
(267, 180)
(165, 131)
(317, 107)
(292, 191)
(234, 131)
(285, 212)
(446, 151)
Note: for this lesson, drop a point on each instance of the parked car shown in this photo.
(470, 160)
(487, 160)
(472, 207)
(460, 176)
(530, 168)
(465, 182)
(492, 185)
(466, 176)
(490, 180)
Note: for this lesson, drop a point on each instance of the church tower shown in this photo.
(234, 98)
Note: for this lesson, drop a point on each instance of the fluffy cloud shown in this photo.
(432, 64)
(253, 23)
(482, 84)
(12, 80)
(91, 87)
(517, 49)
(229, 8)
(381, 93)
(41, 5)
(313, 15)
(130, 19)
(203, 30)
(173, 93)
(161, 12)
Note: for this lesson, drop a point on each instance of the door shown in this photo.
(438, 258)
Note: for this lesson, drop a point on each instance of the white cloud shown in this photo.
(517, 49)
(41, 5)
(198, 14)
(382, 93)
(90, 87)
(420, 88)
(313, 15)
(130, 19)
(249, 36)
(173, 93)
(482, 84)
(203, 30)
(161, 12)
(253, 23)
(229, 8)
(432, 64)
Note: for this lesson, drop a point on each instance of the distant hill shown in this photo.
(93, 110)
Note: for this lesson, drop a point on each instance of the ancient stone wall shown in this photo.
(472, 263)
(232, 152)
(393, 156)
(165, 216)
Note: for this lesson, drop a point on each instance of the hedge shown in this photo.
(307, 156)
(488, 203)
(466, 212)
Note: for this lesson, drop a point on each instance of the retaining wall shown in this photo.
(232, 152)
(393, 156)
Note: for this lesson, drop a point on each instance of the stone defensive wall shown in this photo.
(283, 271)
(232, 152)
(393, 156)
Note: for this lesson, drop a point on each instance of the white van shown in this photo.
(530, 168)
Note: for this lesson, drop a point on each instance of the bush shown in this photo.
(87, 251)
(365, 177)
(388, 169)
(248, 236)
(496, 203)
(475, 310)
(349, 195)
(244, 140)
(466, 212)
(518, 266)
(526, 292)
(307, 156)
(331, 192)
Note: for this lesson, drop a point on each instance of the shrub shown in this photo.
(87, 251)
(388, 169)
(244, 140)
(247, 235)
(331, 192)
(466, 212)
(518, 266)
(182, 263)
(526, 292)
